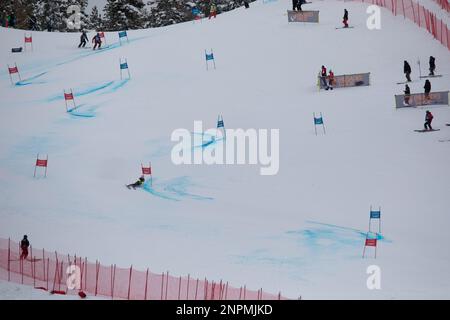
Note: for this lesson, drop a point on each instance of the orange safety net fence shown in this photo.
(55, 273)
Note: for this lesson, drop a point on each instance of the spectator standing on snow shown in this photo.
(407, 94)
(24, 244)
(407, 70)
(427, 88)
(432, 65)
(345, 18)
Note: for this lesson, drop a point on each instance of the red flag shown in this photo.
(41, 163)
(13, 70)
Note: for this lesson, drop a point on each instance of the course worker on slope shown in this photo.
(330, 80)
(345, 18)
(407, 70)
(212, 11)
(432, 65)
(24, 244)
(427, 88)
(407, 94)
(428, 118)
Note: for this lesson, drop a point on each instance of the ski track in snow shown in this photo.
(320, 240)
(175, 189)
(312, 244)
(105, 88)
(47, 68)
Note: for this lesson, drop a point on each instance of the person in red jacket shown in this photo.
(323, 77)
(212, 11)
(97, 41)
(330, 80)
(428, 118)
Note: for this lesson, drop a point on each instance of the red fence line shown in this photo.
(444, 4)
(418, 14)
(111, 282)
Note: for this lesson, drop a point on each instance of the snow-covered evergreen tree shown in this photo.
(95, 21)
(167, 12)
(124, 15)
(51, 15)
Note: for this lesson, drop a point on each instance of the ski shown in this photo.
(344, 28)
(423, 130)
(447, 124)
(435, 76)
(406, 82)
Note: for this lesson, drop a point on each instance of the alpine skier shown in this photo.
(97, 40)
(137, 184)
(83, 40)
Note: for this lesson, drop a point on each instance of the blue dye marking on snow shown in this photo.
(89, 113)
(111, 85)
(81, 115)
(93, 89)
(76, 57)
(150, 189)
(116, 85)
(29, 81)
(174, 189)
(328, 236)
(207, 140)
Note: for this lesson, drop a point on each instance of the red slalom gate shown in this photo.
(69, 97)
(147, 171)
(12, 71)
(49, 271)
(42, 163)
(28, 40)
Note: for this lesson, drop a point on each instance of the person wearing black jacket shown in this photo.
(83, 40)
(427, 88)
(407, 70)
(345, 18)
(428, 119)
(432, 65)
(137, 184)
(24, 244)
(407, 93)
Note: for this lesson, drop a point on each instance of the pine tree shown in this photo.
(95, 20)
(124, 15)
(168, 12)
(52, 15)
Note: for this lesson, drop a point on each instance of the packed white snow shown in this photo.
(301, 231)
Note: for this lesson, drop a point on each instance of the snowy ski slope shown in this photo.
(301, 231)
